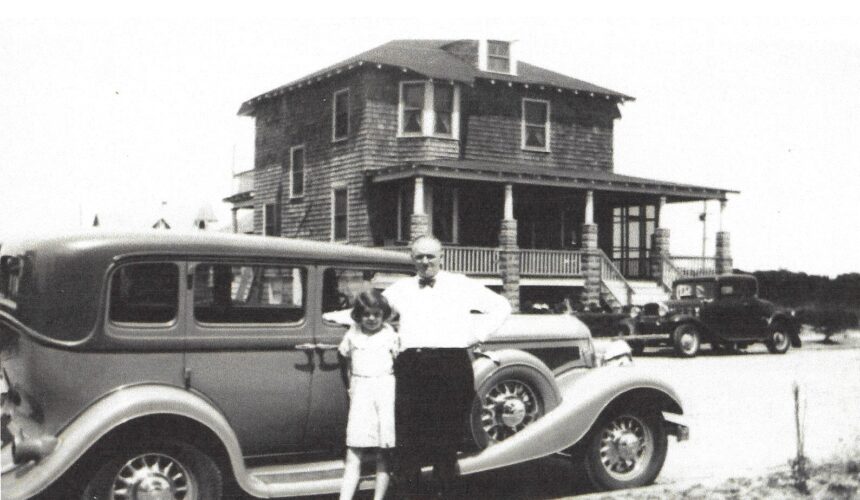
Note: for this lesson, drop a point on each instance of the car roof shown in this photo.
(116, 245)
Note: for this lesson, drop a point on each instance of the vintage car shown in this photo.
(165, 365)
(723, 311)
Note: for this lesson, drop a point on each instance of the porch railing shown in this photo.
(668, 273)
(550, 263)
(472, 260)
(243, 182)
(694, 266)
(609, 274)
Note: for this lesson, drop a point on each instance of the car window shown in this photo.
(231, 293)
(684, 291)
(144, 293)
(341, 286)
(706, 290)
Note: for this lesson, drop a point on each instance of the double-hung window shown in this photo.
(429, 109)
(297, 171)
(340, 115)
(498, 56)
(535, 129)
(339, 214)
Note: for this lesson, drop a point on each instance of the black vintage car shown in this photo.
(723, 311)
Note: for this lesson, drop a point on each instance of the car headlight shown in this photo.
(616, 353)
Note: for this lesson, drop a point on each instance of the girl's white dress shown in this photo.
(371, 386)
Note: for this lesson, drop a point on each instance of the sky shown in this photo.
(131, 115)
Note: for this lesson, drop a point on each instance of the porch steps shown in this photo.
(645, 291)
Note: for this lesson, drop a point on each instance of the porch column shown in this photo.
(659, 244)
(591, 256)
(724, 264)
(509, 253)
(419, 222)
(235, 219)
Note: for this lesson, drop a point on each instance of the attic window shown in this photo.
(498, 56)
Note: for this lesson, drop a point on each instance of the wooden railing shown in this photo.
(472, 260)
(694, 266)
(243, 182)
(556, 263)
(668, 273)
(610, 273)
(468, 260)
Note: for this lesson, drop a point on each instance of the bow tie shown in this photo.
(426, 282)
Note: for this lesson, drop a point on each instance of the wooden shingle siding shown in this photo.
(581, 130)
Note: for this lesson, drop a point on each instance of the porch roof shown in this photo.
(529, 174)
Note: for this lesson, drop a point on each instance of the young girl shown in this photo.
(370, 345)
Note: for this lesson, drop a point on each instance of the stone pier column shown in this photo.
(659, 249)
(590, 265)
(724, 263)
(509, 252)
(419, 221)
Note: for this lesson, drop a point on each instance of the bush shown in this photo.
(827, 320)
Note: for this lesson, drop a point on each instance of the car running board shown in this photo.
(317, 478)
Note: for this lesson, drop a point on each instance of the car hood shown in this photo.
(520, 327)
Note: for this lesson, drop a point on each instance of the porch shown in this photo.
(534, 226)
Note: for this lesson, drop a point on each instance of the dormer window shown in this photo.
(429, 108)
(535, 128)
(498, 56)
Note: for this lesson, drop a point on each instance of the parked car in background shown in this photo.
(163, 365)
(723, 311)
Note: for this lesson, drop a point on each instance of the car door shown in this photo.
(737, 308)
(329, 399)
(249, 349)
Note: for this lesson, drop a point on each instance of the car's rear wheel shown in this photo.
(158, 470)
(625, 449)
(778, 340)
(686, 340)
(508, 401)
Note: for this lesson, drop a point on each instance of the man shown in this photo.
(435, 382)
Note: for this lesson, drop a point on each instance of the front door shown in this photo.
(632, 227)
(247, 349)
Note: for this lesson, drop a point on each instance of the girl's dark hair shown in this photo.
(370, 299)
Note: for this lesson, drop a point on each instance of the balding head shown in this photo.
(427, 256)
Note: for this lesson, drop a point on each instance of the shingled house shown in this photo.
(507, 163)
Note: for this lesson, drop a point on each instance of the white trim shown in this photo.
(484, 56)
(304, 171)
(428, 112)
(334, 188)
(334, 137)
(547, 125)
(455, 215)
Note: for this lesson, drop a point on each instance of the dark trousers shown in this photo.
(434, 395)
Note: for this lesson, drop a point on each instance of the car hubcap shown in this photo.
(153, 476)
(688, 342)
(508, 408)
(780, 340)
(626, 447)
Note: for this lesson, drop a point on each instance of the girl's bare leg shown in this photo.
(351, 473)
(382, 475)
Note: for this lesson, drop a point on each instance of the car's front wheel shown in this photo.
(507, 401)
(158, 470)
(778, 340)
(625, 449)
(686, 340)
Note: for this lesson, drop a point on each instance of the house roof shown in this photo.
(534, 174)
(428, 58)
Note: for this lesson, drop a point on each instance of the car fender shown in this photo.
(486, 364)
(113, 410)
(584, 398)
(792, 324)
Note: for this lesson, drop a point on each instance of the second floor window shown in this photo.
(340, 115)
(340, 214)
(297, 172)
(429, 109)
(535, 125)
(498, 56)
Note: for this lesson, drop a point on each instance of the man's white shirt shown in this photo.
(441, 316)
